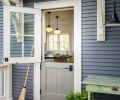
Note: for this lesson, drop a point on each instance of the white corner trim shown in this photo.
(76, 4)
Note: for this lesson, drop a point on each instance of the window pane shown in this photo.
(64, 46)
(51, 46)
(16, 23)
(1, 83)
(64, 38)
(53, 38)
(55, 46)
(28, 43)
(15, 47)
(28, 24)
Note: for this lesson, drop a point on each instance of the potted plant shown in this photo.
(77, 96)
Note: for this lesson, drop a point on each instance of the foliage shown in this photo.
(77, 96)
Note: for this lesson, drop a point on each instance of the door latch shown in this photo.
(70, 68)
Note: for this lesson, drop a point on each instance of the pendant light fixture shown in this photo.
(57, 31)
(49, 28)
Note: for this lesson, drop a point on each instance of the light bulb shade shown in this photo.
(57, 31)
(49, 29)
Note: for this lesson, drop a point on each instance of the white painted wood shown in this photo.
(37, 81)
(77, 45)
(77, 33)
(15, 1)
(7, 82)
(37, 43)
(1, 83)
(5, 2)
(100, 20)
(57, 81)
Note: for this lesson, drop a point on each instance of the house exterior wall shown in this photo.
(100, 58)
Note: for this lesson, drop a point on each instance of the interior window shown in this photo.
(58, 42)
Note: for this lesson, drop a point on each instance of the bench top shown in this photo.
(102, 80)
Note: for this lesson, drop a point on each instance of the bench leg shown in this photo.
(89, 95)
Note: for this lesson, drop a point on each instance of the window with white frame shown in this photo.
(59, 42)
(22, 35)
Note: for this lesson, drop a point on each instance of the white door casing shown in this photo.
(76, 4)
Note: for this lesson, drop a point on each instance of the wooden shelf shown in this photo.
(113, 24)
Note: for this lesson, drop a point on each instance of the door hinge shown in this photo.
(40, 66)
(40, 91)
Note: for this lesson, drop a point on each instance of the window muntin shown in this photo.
(58, 42)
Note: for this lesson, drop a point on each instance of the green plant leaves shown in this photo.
(77, 96)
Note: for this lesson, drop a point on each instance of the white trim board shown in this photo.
(76, 4)
(7, 81)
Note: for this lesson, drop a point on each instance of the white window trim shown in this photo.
(37, 43)
(77, 37)
(8, 81)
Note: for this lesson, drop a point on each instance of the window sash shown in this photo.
(37, 35)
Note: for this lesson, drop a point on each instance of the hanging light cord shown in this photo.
(49, 18)
(57, 22)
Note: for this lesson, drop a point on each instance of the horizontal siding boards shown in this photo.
(1, 32)
(18, 74)
(19, 70)
(100, 58)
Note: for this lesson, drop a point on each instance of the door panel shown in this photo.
(57, 81)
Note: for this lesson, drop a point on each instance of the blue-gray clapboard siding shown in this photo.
(19, 70)
(18, 73)
(100, 58)
(1, 33)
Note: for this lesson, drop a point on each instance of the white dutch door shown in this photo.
(57, 80)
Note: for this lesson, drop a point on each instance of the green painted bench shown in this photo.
(102, 84)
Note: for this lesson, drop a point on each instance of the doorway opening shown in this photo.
(59, 47)
(51, 66)
(57, 73)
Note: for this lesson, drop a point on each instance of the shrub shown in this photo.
(77, 96)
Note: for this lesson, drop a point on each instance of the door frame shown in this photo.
(76, 4)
